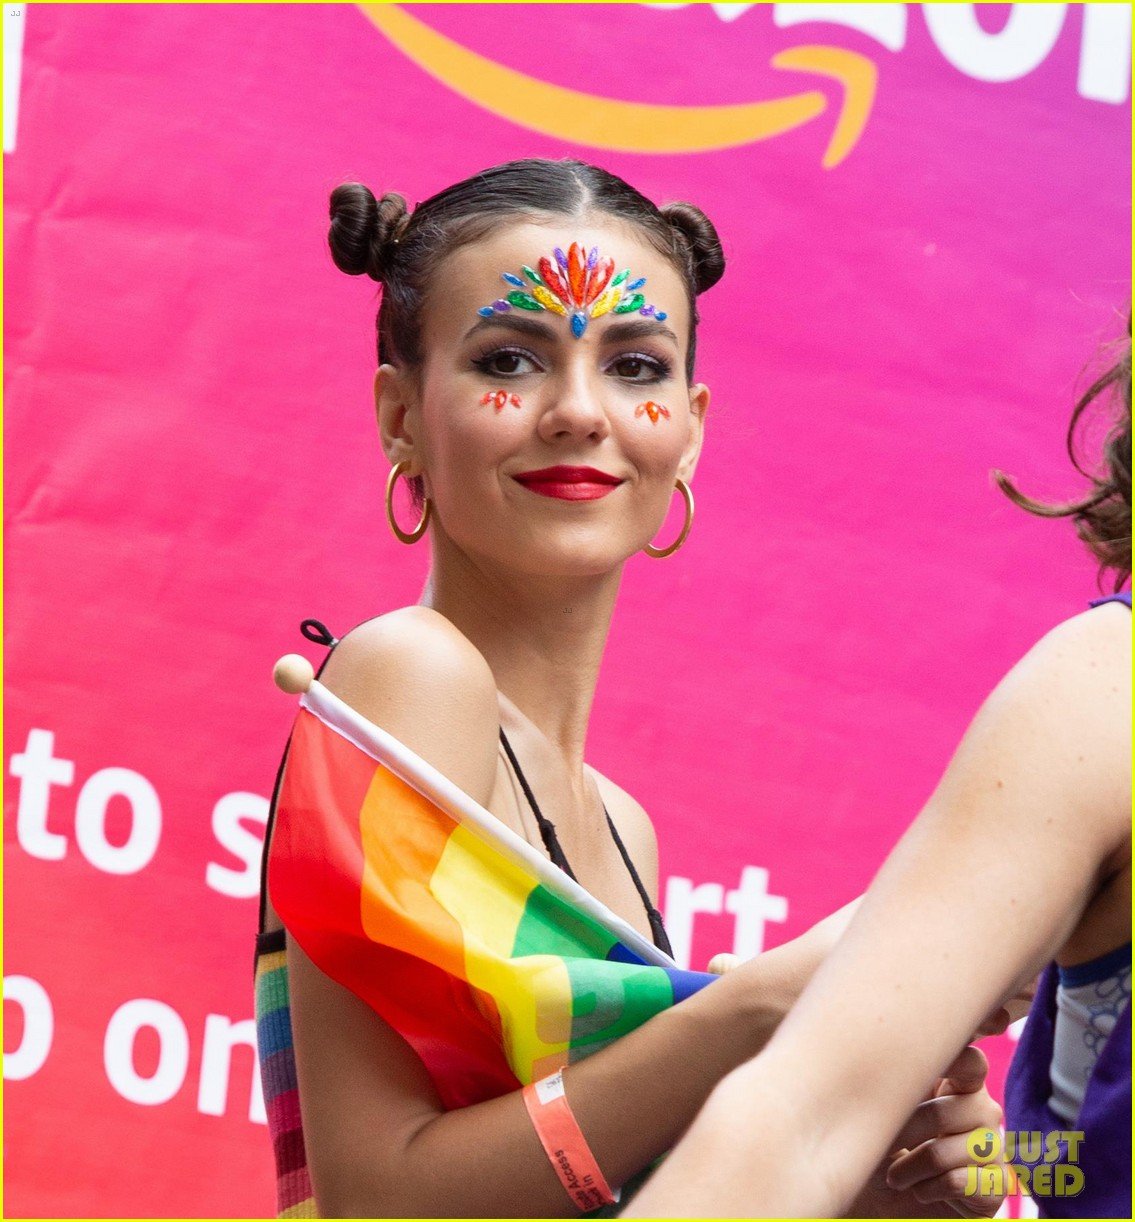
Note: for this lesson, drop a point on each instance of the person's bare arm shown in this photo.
(378, 1140)
(380, 1145)
(1029, 818)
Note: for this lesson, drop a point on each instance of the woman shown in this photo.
(535, 386)
(1021, 856)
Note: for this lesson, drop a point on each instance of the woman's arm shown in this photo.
(1031, 816)
(378, 1141)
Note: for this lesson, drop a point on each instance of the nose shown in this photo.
(574, 409)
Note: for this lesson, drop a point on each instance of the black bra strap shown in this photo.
(556, 853)
(657, 929)
(546, 826)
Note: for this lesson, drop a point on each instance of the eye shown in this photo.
(506, 362)
(640, 368)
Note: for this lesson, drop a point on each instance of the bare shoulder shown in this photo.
(635, 830)
(419, 678)
(1097, 638)
(1079, 673)
(1060, 723)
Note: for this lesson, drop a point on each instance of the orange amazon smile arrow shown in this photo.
(639, 127)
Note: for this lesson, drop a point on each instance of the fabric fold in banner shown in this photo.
(494, 965)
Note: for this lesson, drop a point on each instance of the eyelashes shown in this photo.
(492, 362)
(637, 368)
(657, 369)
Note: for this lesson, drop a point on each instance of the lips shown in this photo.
(569, 483)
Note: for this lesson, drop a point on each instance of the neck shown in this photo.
(543, 637)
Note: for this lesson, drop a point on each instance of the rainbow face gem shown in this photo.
(579, 285)
(653, 410)
(498, 398)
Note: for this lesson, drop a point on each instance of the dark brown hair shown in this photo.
(401, 249)
(1103, 514)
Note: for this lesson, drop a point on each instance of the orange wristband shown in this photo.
(565, 1145)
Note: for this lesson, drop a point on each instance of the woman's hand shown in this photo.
(928, 1175)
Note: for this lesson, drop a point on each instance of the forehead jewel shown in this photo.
(578, 285)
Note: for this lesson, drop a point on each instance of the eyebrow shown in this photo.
(616, 332)
(637, 328)
(513, 322)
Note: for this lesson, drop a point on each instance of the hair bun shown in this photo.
(699, 234)
(365, 231)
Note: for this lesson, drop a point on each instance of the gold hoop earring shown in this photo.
(660, 552)
(404, 536)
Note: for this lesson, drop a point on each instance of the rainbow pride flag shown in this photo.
(492, 963)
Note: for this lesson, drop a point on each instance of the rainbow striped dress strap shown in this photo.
(294, 1197)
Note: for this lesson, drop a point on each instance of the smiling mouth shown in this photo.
(569, 483)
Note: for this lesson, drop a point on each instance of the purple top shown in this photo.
(1105, 1117)
(1124, 598)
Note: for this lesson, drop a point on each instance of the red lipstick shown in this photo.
(569, 483)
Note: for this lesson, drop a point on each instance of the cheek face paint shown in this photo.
(498, 398)
(653, 410)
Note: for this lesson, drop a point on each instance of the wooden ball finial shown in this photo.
(725, 962)
(293, 674)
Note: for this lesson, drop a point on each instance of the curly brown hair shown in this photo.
(1103, 514)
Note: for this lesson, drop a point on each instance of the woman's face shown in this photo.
(549, 439)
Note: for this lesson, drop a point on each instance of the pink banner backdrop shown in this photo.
(925, 213)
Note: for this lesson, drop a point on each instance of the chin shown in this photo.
(571, 554)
